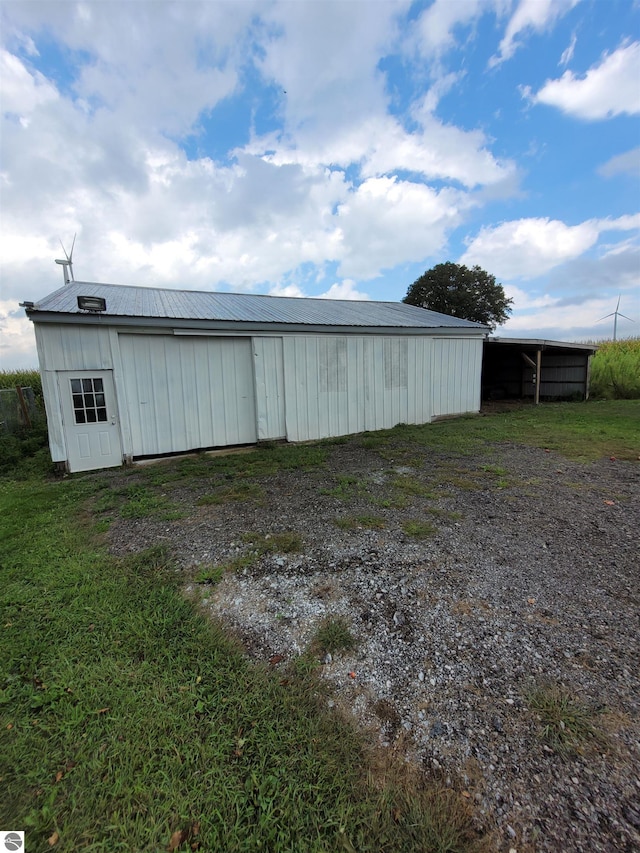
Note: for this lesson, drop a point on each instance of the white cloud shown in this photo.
(608, 89)
(23, 91)
(158, 65)
(576, 321)
(346, 289)
(324, 59)
(438, 151)
(17, 340)
(286, 290)
(536, 15)
(621, 223)
(524, 300)
(437, 24)
(567, 53)
(528, 248)
(627, 163)
(381, 146)
(387, 221)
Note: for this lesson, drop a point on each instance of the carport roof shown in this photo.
(541, 344)
(246, 308)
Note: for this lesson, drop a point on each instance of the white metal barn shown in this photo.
(129, 372)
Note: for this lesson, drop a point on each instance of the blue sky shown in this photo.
(328, 148)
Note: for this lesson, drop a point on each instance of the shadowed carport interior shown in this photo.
(541, 370)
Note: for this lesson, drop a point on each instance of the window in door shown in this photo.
(89, 406)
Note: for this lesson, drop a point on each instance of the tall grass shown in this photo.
(615, 370)
(25, 451)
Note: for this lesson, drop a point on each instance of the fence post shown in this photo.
(23, 406)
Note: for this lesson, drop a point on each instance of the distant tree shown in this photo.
(470, 294)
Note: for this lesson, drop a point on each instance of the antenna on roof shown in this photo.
(615, 314)
(67, 264)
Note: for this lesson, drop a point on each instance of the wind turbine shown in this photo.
(615, 314)
(67, 264)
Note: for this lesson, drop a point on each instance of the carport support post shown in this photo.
(536, 365)
(536, 398)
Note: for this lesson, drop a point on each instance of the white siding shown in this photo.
(269, 379)
(338, 385)
(187, 393)
(457, 368)
(183, 392)
(66, 347)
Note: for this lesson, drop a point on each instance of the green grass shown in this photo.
(142, 502)
(127, 718)
(333, 635)
(615, 370)
(411, 486)
(565, 724)
(419, 529)
(287, 542)
(353, 522)
(580, 431)
(211, 575)
(347, 488)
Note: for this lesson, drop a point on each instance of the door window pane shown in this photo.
(89, 402)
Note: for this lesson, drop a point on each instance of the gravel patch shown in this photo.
(529, 580)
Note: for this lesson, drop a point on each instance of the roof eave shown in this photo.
(177, 325)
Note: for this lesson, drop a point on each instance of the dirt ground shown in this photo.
(488, 596)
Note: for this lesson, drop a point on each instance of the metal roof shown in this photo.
(190, 305)
(540, 343)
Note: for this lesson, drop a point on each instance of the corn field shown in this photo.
(615, 370)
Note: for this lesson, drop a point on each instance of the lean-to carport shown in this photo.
(529, 368)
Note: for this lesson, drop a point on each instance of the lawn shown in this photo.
(129, 722)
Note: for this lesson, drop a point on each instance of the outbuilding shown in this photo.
(536, 369)
(134, 372)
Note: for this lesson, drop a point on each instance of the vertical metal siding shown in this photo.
(342, 385)
(457, 367)
(184, 394)
(74, 347)
(269, 381)
(563, 376)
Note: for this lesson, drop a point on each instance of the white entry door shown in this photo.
(90, 419)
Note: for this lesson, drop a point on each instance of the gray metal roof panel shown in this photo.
(542, 343)
(150, 302)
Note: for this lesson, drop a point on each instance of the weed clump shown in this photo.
(565, 724)
(332, 636)
(419, 529)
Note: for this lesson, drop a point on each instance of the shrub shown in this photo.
(24, 451)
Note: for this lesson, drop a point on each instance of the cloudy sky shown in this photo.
(331, 148)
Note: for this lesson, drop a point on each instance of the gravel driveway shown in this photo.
(523, 583)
